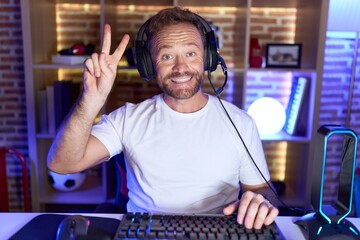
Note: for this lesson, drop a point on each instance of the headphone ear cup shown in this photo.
(143, 61)
(211, 52)
(207, 53)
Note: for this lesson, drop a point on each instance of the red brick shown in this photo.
(6, 131)
(281, 29)
(9, 9)
(289, 13)
(258, 12)
(264, 20)
(4, 18)
(283, 39)
(5, 67)
(72, 24)
(256, 28)
(12, 59)
(4, 115)
(10, 41)
(70, 17)
(129, 17)
(288, 21)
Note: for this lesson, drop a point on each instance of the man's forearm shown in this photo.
(70, 143)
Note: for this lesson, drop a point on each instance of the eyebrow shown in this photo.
(167, 46)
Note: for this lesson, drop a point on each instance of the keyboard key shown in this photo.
(211, 236)
(151, 235)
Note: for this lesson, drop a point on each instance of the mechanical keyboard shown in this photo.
(197, 226)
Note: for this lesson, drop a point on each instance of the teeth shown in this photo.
(181, 80)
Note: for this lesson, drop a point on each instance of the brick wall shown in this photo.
(271, 25)
(13, 129)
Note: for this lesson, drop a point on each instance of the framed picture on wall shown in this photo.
(283, 55)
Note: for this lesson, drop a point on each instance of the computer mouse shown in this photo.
(72, 226)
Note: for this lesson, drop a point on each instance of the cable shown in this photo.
(217, 93)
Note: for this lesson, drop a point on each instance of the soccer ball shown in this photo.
(66, 182)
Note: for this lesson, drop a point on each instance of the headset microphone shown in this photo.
(224, 69)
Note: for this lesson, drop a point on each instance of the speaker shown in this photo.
(143, 58)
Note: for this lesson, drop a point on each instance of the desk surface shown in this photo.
(11, 222)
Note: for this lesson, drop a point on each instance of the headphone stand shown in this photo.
(329, 221)
(313, 228)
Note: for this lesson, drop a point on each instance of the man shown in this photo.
(182, 153)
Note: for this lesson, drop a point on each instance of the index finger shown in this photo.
(107, 39)
(242, 210)
(119, 51)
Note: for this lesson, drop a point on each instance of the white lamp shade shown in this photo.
(269, 115)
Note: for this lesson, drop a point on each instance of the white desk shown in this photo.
(10, 223)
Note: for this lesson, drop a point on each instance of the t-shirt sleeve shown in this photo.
(249, 174)
(108, 131)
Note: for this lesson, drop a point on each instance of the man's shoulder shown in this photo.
(143, 107)
(144, 103)
(230, 107)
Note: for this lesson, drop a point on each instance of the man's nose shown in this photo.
(180, 64)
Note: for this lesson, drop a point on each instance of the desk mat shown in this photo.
(45, 226)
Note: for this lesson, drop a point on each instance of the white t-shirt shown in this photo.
(183, 162)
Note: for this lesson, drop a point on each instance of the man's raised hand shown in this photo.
(100, 69)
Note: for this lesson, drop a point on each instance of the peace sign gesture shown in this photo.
(100, 69)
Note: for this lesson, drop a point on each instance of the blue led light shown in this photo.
(319, 230)
(323, 171)
(322, 184)
(353, 230)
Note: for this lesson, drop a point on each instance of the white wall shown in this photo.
(344, 15)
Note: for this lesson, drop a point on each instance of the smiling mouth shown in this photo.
(181, 79)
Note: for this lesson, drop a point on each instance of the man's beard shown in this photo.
(181, 93)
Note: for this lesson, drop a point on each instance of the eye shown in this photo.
(166, 57)
(191, 54)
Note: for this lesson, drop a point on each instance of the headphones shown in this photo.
(143, 58)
